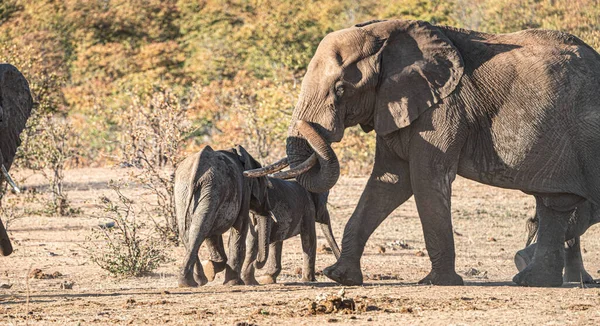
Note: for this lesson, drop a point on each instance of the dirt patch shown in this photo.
(390, 295)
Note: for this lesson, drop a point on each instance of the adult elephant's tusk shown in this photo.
(10, 181)
(261, 172)
(297, 170)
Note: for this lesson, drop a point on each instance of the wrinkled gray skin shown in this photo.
(211, 197)
(15, 108)
(296, 211)
(584, 216)
(517, 111)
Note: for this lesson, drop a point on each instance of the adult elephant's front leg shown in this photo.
(387, 188)
(432, 196)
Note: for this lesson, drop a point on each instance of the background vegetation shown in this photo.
(236, 65)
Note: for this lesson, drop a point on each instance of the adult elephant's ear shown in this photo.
(419, 66)
(15, 107)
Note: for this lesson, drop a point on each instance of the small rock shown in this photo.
(324, 249)
(5, 286)
(369, 319)
(107, 225)
(298, 271)
(472, 272)
(165, 292)
(491, 239)
(584, 251)
(406, 310)
(51, 254)
(381, 249)
(66, 285)
(332, 320)
(130, 301)
(420, 254)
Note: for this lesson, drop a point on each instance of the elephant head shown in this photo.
(259, 203)
(381, 75)
(15, 107)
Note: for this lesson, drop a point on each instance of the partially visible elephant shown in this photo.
(517, 111)
(15, 108)
(211, 197)
(296, 210)
(585, 215)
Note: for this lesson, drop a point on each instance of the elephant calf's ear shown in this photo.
(419, 66)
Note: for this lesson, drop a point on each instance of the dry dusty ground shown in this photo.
(489, 224)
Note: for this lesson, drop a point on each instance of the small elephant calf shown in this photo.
(585, 215)
(211, 197)
(295, 211)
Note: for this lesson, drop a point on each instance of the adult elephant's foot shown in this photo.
(579, 275)
(267, 279)
(437, 278)
(186, 281)
(533, 275)
(211, 269)
(344, 274)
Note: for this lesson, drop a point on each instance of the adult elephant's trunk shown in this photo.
(304, 141)
(264, 232)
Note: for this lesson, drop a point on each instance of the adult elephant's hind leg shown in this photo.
(549, 257)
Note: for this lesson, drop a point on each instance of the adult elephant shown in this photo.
(15, 108)
(516, 111)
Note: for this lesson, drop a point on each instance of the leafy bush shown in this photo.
(155, 128)
(125, 249)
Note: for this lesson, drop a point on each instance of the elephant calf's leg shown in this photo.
(273, 267)
(574, 270)
(309, 248)
(218, 259)
(251, 253)
(549, 257)
(237, 249)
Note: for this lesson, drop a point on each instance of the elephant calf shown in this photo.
(295, 210)
(585, 215)
(211, 197)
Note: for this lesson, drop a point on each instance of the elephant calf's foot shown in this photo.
(186, 282)
(211, 269)
(524, 257)
(437, 278)
(344, 274)
(307, 279)
(579, 275)
(532, 276)
(267, 279)
(233, 282)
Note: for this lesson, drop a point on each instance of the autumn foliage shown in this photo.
(236, 64)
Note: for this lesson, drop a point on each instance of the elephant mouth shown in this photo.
(274, 170)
